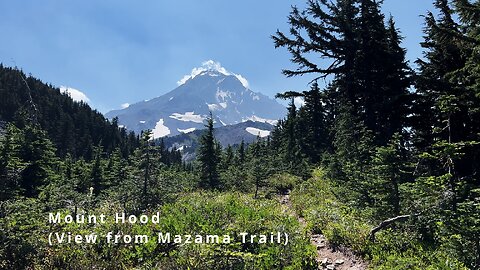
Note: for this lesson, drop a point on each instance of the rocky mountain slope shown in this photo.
(210, 88)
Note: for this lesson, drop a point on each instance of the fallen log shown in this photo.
(387, 222)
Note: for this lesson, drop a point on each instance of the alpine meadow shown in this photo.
(376, 168)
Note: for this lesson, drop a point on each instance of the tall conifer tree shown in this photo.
(208, 158)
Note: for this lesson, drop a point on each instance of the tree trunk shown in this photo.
(387, 222)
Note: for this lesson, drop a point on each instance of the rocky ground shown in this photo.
(328, 257)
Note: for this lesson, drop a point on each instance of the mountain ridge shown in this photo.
(74, 127)
(248, 132)
(209, 89)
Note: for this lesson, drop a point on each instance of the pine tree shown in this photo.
(329, 35)
(69, 189)
(11, 164)
(39, 154)
(353, 151)
(258, 165)
(114, 169)
(312, 115)
(398, 79)
(208, 158)
(147, 159)
(291, 145)
(391, 169)
(451, 105)
(442, 57)
(447, 137)
(368, 68)
(229, 158)
(241, 152)
(383, 74)
(163, 152)
(96, 174)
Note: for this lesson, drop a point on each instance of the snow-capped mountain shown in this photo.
(210, 88)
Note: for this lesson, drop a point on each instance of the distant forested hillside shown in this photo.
(73, 127)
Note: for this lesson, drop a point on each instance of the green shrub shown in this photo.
(282, 183)
(26, 228)
(344, 225)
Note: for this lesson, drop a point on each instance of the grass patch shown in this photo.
(198, 213)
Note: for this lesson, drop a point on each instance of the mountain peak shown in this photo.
(212, 68)
(209, 88)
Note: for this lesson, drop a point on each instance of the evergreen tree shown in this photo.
(259, 169)
(314, 141)
(398, 79)
(391, 169)
(163, 152)
(329, 29)
(69, 190)
(449, 141)
(368, 67)
(96, 174)
(229, 158)
(147, 161)
(115, 169)
(292, 150)
(208, 158)
(443, 56)
(38, 153)
(241, 152)
(11, 164)
(351, 162)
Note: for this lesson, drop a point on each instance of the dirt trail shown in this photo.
(327, 257)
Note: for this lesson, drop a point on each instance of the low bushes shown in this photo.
(199, 213)
(396, 248)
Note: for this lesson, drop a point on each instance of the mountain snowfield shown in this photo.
(209, 88)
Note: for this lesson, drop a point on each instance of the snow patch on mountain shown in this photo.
(242, 80)
(258, 132)
(188, 117)
(188, 130)
(75, 94)
(213, 107)
(255, 118)
(222, 94)
(160, 129)
(217, 107)
(211, 65)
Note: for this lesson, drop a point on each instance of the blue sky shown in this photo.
(125, 51)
